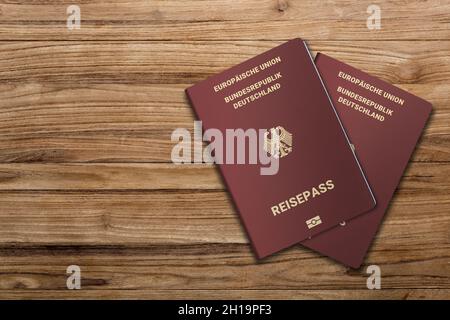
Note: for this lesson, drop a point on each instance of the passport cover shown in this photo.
(319, 182)
(384, 124)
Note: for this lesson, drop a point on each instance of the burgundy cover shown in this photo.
(321, 150)
(382, 147)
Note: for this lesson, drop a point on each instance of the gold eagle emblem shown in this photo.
(278, 142)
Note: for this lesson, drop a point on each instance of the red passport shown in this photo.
(384, 124)
(317, 183)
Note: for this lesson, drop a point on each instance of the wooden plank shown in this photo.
(139, 218)
(400, 294)
(101, 102)
(223, 19)
(105, 176)
(213, 267)
(111, 138)
(135, 123)
(153, 176)
(70, 62)
(417, 217)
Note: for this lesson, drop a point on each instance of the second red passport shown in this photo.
(384, 124)
(297, 176)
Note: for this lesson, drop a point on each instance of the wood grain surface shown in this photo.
(85, 171)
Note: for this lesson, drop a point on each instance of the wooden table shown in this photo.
(86, 176)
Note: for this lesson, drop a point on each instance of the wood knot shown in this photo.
(282, 5)
(409, 72)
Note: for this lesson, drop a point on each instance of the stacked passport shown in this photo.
(339, 140)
